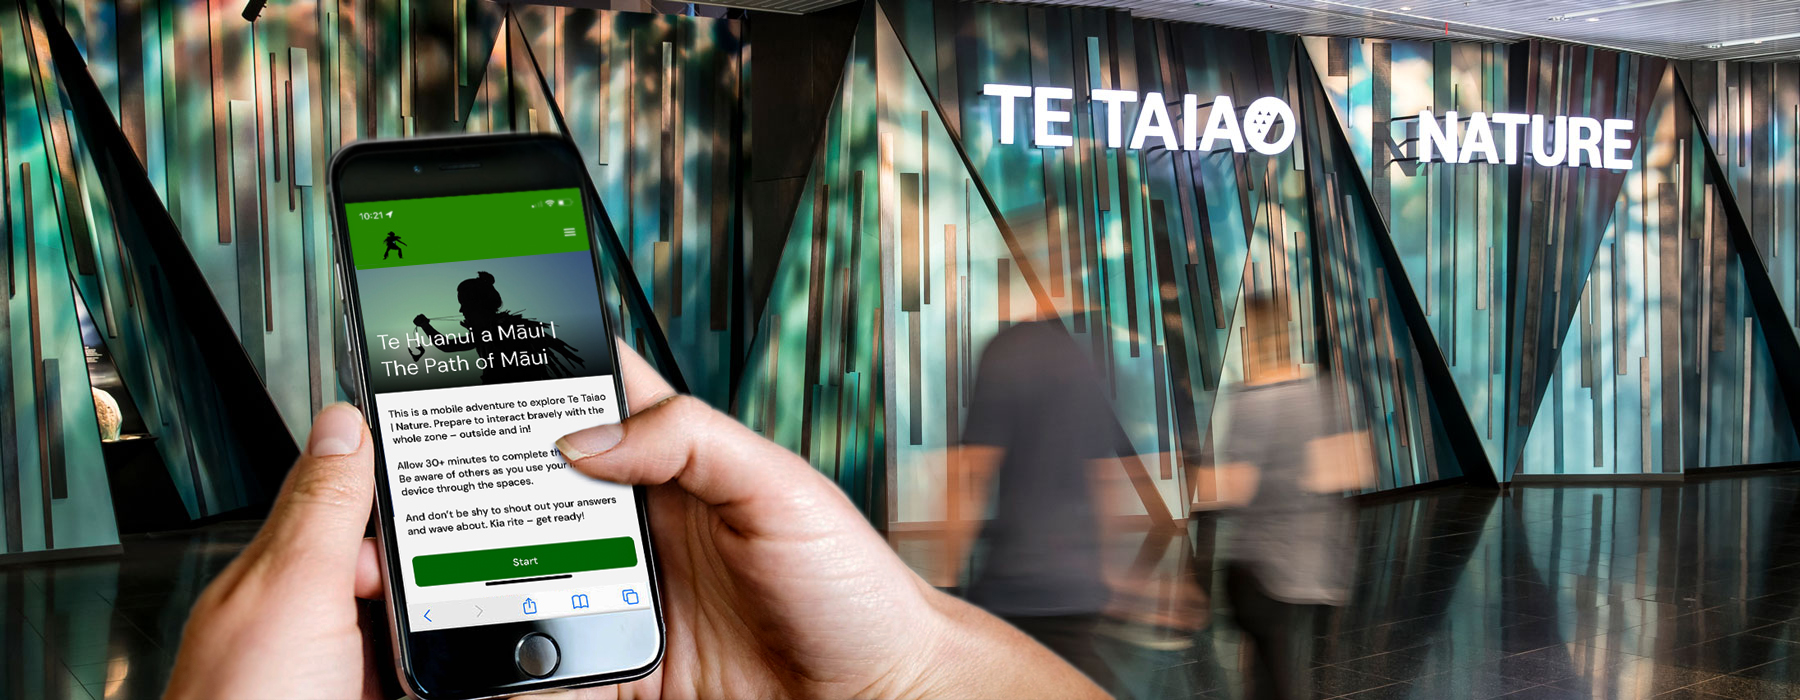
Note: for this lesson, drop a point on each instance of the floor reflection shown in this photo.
(1681, 591)
(107, 628)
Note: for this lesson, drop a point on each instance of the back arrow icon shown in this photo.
(427, 615)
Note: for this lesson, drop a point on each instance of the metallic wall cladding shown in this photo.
(1146, 253)
(1596, 321)
(820, 376)
(231, 121)
(54, 490)
(652, 102)
(1512, 320)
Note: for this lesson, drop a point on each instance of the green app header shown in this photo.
(469, 227)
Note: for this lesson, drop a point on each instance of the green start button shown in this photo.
(524, 562)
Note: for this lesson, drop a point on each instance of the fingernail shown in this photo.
(337, 430)
(590, 442)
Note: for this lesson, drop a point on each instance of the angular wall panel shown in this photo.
(653, 103)
(1666, 365)
(1495, 253)
(1751, 114)
(818, 375)
(1561, 213)
(53, 492)
(233, 122)
(1150, 249)
(1558, 320)
(1448, 223)
(1389, 374)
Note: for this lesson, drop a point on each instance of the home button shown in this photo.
(537, 655)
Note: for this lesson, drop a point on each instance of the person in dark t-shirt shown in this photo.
(1039, 419)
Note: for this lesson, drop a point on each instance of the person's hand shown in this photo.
(281, 620)
(774, 584)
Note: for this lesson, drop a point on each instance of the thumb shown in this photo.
(319, 517)
(755, 486)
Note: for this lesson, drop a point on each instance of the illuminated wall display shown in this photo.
(1561, 140)
(1152, 121)
(1571, 141)
(1613, 323)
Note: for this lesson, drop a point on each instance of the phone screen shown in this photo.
(485, 342)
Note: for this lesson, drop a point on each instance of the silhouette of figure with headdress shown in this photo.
(393, 246)
(498, 334)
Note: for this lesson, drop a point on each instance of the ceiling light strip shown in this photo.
(1758, 40)
(1447, 23)
(1425, 23)
(1617, 8)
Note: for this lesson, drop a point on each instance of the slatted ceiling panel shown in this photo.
(1296, 17)
(787, 6)
(1681, 29)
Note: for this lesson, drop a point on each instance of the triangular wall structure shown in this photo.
(1488, 262)
(1387, 371)
(653, 102)
(1506, 299)
(1666, 365)
(52, 480)
(1173, 252)
(814, 379)
(1448, 225)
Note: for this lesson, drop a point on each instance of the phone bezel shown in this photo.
(385, 170)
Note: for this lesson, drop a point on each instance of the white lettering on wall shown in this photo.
(1552, 155)
(1615, 146)
(1584, 138)
(1478, 139)
(1153, 120)
(1574, 141)
(1043, 135)
(1512, 122)
(1114, 99)
(1268, 125)
(1221, 123)
(1007, 95)
(1435, 140)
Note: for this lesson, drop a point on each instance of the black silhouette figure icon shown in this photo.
(393, 246)
(517, 349)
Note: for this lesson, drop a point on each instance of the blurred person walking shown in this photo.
(1289, 457)
(1040, 426)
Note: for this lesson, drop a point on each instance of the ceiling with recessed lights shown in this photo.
(1758, 30)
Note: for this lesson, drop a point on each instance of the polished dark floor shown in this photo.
(107, 628)
(1687, 590)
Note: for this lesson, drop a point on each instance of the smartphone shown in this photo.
(477, 335)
